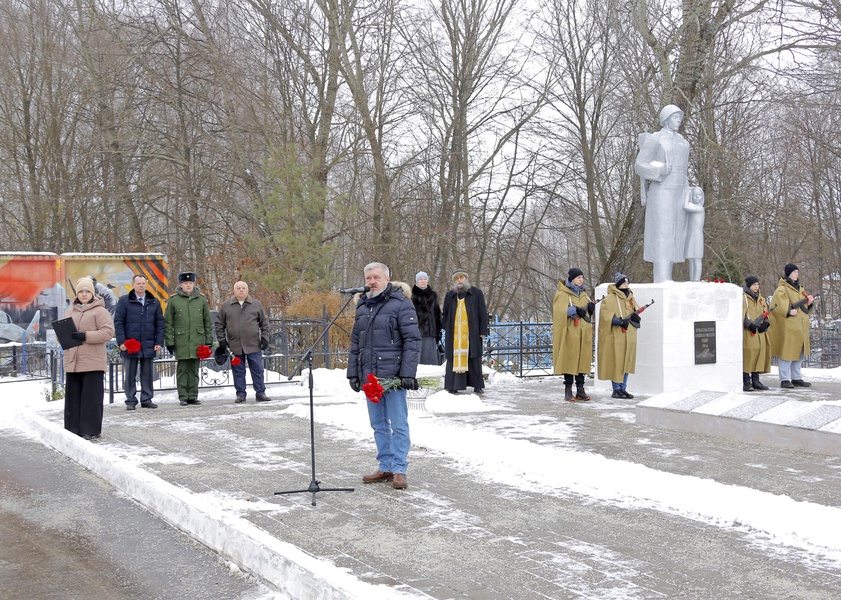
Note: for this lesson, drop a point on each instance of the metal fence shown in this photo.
(30, 360)
(521, 348)
(211, 375)
(826, 349)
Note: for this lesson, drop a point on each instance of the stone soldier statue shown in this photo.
(661, 165)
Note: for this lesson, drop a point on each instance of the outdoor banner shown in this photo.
(37, 287)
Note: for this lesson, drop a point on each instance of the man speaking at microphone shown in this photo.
(385, 342)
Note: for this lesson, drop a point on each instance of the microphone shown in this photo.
(357, 290)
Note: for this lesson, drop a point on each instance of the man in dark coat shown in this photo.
(242, 326)
(385, 343)
(465, 317)
(138, 316)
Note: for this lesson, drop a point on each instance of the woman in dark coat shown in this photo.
(429, 319)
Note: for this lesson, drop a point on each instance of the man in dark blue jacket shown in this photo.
(385, 343)
(139, 317)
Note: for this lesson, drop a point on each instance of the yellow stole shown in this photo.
(461, 338)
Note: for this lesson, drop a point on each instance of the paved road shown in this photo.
(456, 533)
(68, 535)
(462, 532)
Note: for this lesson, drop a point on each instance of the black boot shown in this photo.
(568, 393)
(580, 394)
(757, 385)
(747, 384)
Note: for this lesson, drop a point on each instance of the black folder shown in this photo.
(63, 328)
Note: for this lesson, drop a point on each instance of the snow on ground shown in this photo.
(521, 464)
(500, 453)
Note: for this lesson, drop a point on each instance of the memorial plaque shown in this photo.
(704, 342)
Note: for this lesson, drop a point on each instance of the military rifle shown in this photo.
(587, 318)
(758, 321)
(801, 303)
(637, 312)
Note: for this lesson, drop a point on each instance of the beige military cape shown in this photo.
(789, 335)
(572, 339)
(756, 348)
(617, 348)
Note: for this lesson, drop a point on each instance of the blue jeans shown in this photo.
(390, 421)
(790, 369)
(255, 365)
(620, 385)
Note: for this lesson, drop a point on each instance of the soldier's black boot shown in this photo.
(757, 385)
(747, 384)
(580, 393)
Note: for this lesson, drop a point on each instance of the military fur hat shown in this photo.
(220, 356)
(186, 276)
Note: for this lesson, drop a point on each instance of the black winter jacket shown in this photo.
(429, 312)
(385, 339)
(142, 322)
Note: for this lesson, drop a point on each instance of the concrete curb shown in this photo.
(769, 420)
(292, 571)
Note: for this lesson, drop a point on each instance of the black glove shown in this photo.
(591, 308)
(635, 319)
(79, 335)
(752, 327)
(171, 350)
(763, 327)
(582, 312)
(355, 384)
(409, 383)
(223, 346)
(626, 322)
(264, 343)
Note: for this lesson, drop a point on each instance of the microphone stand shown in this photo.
(314, 487)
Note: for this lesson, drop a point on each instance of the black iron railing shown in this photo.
(521, 348)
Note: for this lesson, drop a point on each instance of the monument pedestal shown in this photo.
(691, 338)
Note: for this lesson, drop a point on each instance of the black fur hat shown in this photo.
(186, 276)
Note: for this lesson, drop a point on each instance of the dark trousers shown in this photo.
(187, 378)
(130, 368)
(255, 365)
(83, 395)
(568, 377)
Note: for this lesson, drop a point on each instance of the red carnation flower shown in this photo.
(373, 390)
(203, 352)
(235, 361)
(132, 346)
